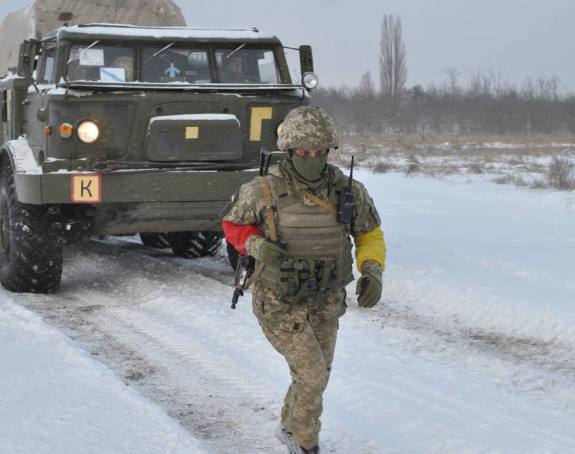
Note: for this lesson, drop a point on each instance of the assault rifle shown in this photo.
(246, 264)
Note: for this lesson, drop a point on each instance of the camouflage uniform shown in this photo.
(302, 328)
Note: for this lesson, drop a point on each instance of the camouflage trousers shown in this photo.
(305, 335)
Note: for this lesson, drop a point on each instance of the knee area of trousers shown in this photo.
(315, 378)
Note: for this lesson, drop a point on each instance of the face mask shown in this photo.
(310, 169)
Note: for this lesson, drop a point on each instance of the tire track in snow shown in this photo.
(436, 407)
(176, 353)
(109, 307)
(521, 363)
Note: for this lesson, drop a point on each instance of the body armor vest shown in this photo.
(318, 247)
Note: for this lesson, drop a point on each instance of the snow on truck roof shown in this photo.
(106, 31)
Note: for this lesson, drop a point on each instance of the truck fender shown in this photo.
(20, 157)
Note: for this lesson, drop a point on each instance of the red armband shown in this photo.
(237, 235)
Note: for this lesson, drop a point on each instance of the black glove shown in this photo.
(369, 290)
(271, 253)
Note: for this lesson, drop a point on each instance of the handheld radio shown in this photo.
(346, 201)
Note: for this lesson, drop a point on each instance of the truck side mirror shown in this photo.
(27, 57)
(305, 59)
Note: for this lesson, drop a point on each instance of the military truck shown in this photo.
(111, 129)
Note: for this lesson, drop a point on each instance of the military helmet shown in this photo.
(307, 128)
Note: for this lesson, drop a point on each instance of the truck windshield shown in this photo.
(172, 64)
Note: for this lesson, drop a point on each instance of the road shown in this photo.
(403, 381)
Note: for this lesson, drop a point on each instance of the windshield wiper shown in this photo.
(228, 56)
(159, 52)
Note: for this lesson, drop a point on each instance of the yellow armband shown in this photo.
(370, 246)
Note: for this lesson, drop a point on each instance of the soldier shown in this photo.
(288, 222)
(232, 68)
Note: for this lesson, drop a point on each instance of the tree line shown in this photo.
(487, 105)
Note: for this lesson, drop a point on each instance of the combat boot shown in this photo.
(286, 438)
(314, 450)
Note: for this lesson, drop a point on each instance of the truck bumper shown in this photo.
(129, 186)
(125, 202)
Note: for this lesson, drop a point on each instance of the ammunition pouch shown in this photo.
(303, 277)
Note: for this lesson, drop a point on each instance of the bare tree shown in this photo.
(392, 64)
(452, 80)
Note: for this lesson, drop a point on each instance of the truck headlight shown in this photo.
(88, 131)
(309, 81)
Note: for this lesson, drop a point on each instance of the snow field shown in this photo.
(56, 398)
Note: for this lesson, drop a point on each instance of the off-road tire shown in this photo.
(194, 244)
(31, 241)
(155, 240)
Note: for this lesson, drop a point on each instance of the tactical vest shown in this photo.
(318, 247)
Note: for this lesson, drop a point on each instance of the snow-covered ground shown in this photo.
(471, 349)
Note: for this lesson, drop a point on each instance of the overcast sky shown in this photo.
(515, 38)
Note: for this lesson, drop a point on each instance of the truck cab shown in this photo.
(120, 129)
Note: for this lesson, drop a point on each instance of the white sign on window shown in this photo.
(92, 57)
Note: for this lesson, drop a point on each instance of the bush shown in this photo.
(503, 179)
(475, 168)
(413, 166)
(538, 184)
(382, 167)
(560, 174)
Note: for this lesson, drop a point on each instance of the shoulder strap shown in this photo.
(325, 205)
(269, 207)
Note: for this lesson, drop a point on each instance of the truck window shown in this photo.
(167, 64)
(245, 66)
(47, 66)
(101, 63)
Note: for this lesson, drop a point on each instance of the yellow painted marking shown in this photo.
(192, 132)
(259, 114)
(86, 188)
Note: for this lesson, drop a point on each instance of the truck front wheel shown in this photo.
(31, 241)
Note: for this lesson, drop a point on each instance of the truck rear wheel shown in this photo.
(194, 244)
(31, 241)
(155, 240)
